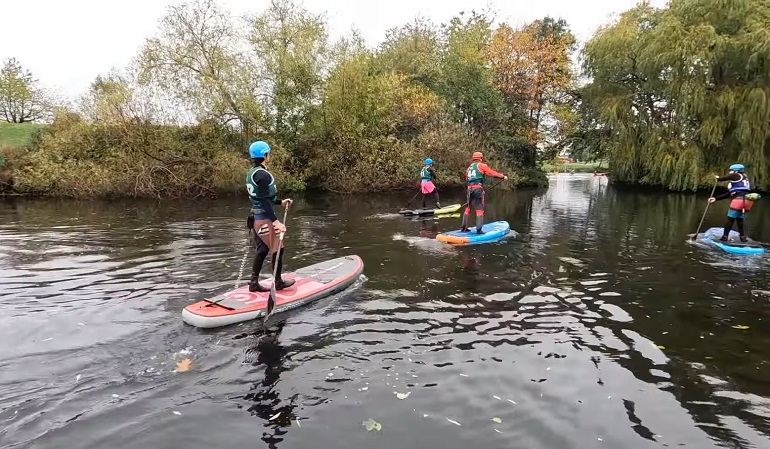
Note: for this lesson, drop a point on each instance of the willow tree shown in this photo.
(626, 95)
(197, 56)
(109, 100)
(290, 48)
(466, 80)
(683, 90)
(413, 50)
(719, 78)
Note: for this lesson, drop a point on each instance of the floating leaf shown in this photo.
(453, 422)
(741, 327)
(371, 424)
(497, 420)
(177, 413)
(403, 395)
(661, 347)
(183, 365)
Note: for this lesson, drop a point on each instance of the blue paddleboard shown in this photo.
(733, 245)
(492, 231)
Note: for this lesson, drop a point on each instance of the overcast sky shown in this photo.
(67, 43)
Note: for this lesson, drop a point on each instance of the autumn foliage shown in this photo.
(531, 67)
(340, 116)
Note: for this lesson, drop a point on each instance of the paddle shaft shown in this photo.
(271, 298)
(240, 272)
(243, 260)
(410, 201)
(704, 211)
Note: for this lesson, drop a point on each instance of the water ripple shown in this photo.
(593, 328)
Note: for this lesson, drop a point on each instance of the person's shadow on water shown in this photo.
(267, 404)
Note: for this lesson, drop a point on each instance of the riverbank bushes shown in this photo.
(73, 158)
(340, 116)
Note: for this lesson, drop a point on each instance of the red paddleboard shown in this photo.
(312, 282)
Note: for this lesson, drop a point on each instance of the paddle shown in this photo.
(271, 297)
(410, 201)
(704, 212)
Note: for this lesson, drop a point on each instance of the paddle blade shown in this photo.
(271, 300)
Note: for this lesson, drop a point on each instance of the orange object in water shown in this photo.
(742, 204)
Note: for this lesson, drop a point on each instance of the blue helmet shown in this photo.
(737, 167)
(259, 149)
(428, 161)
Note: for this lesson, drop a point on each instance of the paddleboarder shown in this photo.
(742, 200)
(427, 176)
(474, 177)
(263, 194)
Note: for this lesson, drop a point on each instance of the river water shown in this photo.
(598, 325)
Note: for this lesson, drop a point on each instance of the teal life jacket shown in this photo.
(474, 174)
(425, 175)
(253, 190)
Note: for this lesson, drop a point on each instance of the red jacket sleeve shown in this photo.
(488, 171)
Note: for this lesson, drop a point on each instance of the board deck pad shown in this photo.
(492, 231)
(733, 244)
(308, 280)
(311, 283)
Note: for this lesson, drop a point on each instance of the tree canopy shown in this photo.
(22, 100)
(340, 115)
(679, 93)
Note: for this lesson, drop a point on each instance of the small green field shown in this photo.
(578, 167)
(17, 134)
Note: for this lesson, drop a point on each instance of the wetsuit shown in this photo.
(739, 206)
(263, 195)
(427, 176)
(475, 177)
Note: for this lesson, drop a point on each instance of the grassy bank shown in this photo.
(14, 138)
(17, 134)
